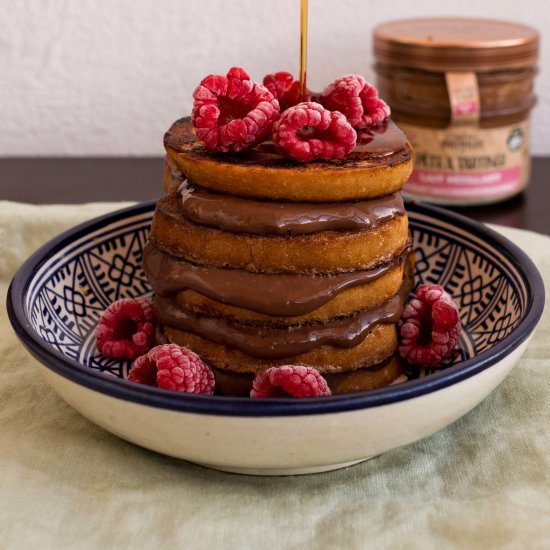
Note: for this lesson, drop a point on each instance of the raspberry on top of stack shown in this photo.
(282, 239)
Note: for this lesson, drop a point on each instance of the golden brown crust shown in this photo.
(345, 303)
(263, 174)
(324, 252)
(378, 345)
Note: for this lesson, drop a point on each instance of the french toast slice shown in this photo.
(345, 303)
(323, 252)
(379, 165)
(378, 345)
(239, 384)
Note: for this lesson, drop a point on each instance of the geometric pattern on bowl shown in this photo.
(73, 287)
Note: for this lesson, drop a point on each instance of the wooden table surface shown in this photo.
(76, 180)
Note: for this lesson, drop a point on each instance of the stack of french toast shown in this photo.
(259, 261)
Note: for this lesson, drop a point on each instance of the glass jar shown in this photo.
(462, 91)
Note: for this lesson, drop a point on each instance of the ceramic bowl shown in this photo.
(57, 296)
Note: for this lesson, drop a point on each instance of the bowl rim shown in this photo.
(244, 406)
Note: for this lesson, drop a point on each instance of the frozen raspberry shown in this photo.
(126, 329)
(289, 381)
(284, 88)
(357, 99)
(232, 113)
(308, 131)
(172, 367)
(429, 327)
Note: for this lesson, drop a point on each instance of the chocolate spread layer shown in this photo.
(241, 215)
(279, 295)
(273, 343)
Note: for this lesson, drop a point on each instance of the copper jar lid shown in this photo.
(458, 44)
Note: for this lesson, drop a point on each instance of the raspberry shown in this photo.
(172, 367)
(232, 113)
(357, 99)
(429, 327)
(126, 329)
(289, 381)
(308, 131)
(284, 88)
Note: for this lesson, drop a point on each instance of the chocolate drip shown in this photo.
(274, 343)
(241, 215)
(277, 294)
(380, 141)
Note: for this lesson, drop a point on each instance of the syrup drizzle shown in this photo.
(303, 48)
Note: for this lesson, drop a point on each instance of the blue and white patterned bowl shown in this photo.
(57, 296)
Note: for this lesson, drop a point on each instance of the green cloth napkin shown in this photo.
(484, 482)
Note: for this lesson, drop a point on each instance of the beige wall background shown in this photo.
(107, 77)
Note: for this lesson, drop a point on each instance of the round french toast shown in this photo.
(379, 165)
(321, 252)
(231, 383)
(377, 345)
(278, 299)
(345, 303)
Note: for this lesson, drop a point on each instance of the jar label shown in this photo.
(463, 97)
(468, 164)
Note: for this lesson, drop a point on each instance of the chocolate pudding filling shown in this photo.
(274, 343)
(278, 294)
(242, 215)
